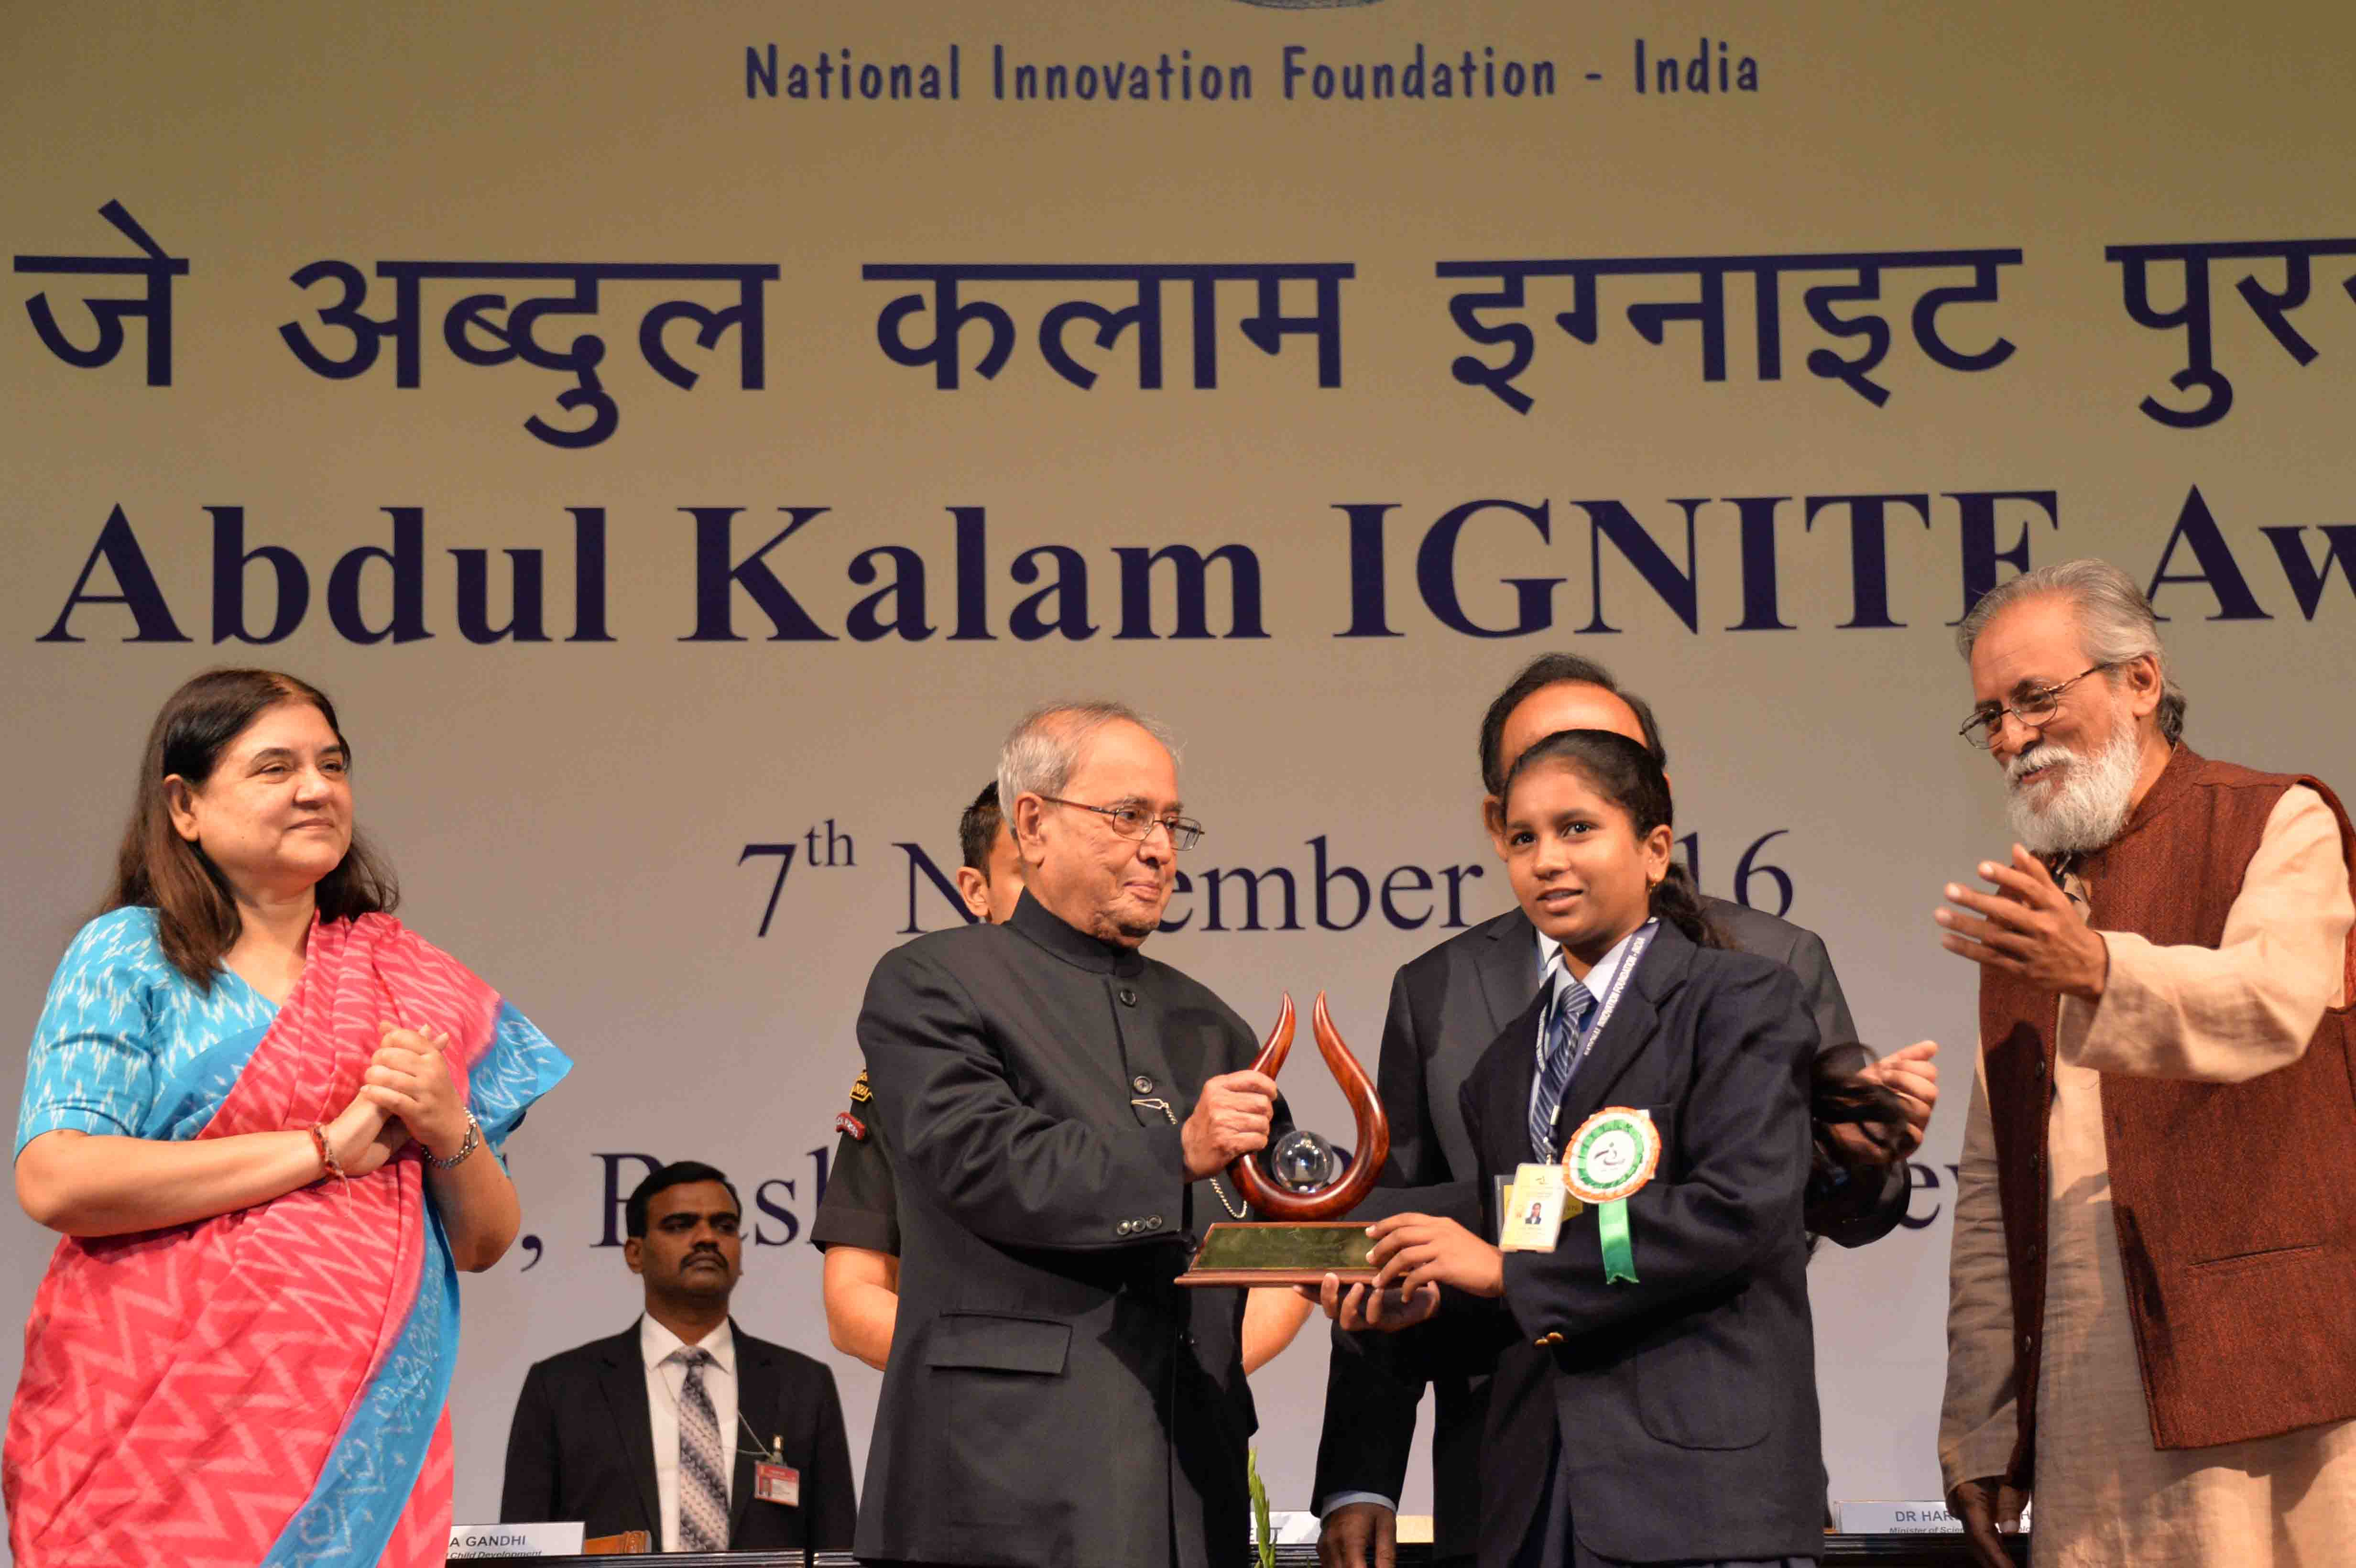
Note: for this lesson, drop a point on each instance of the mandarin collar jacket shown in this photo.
(1051, 1391)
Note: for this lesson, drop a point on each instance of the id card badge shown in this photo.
(1532, 1218)
(777, 1484)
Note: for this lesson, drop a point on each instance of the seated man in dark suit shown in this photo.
(674, 1425)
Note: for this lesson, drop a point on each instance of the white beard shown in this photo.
(2086, 806)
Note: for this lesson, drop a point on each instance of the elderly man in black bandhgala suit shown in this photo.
(1060, 1110)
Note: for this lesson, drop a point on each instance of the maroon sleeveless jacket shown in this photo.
(2234, 1203)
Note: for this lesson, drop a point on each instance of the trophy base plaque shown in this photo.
(1301, 1253)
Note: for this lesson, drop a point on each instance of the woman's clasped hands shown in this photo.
(410, 1086)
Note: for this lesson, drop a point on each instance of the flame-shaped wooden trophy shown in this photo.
(1301, 1242)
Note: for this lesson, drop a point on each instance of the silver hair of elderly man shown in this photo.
(1042, 750)
(2116, 623)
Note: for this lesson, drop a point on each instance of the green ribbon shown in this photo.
(1618, 1258)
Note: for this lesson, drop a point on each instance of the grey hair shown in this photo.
(1041, 751)
(2116, 623)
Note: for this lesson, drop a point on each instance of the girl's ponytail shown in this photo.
(1675, 900)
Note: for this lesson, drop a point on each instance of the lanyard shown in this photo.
(1642, 939)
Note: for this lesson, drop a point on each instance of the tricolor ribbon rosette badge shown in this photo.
(1607, 1161)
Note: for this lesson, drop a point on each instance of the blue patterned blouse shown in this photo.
(126, 1045)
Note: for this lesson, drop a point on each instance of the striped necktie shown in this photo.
(702, 1473)
(1572, 1004)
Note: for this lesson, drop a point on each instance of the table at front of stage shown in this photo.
(1851, 1551)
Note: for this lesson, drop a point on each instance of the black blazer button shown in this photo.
(1127, 996)
(1141, 1083)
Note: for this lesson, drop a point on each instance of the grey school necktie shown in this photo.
(1572, 1004)
(703, 1474)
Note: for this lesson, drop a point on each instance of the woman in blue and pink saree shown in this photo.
(261, 1121)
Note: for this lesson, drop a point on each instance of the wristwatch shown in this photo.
(467, 1146)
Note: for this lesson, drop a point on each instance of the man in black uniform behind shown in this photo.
(858, 1223)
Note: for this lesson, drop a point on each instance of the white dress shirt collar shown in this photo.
(1553, 972)
(659, 1344)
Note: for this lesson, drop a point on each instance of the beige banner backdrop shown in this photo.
(570, 816)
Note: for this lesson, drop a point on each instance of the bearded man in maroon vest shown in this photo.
(2152, 1315)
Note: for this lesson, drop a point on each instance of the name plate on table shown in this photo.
(1292, 1528)
(1899, 1518)
(516, 1540)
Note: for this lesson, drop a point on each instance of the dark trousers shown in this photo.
(1552, 1542)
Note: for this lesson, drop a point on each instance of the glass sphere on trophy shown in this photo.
(1298, 1185)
